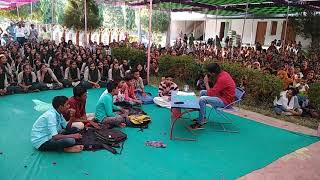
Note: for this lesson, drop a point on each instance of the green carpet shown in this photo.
(215, 155)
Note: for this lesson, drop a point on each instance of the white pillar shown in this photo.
(149, 43)
(251, 38)
(244, 23)
(216, 22)
(168, 38)
(18, 12)
(31, 11)
(85, 23)
(204, 26)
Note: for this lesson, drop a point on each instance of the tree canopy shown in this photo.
(74, 15)
(160, 20)
(307, 25)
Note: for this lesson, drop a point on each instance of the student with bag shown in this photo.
(105, 109)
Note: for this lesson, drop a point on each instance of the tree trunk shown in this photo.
(110, 37)
(89, 36)
(77, 37)
(64, 33)
(100, 37)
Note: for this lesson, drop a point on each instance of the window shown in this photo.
(274, 25)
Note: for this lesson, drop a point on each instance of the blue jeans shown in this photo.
(279, 109)
(145, 99)
(215, 102)
(59, 145)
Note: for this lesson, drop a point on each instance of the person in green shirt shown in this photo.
(105, 109)
(191, 40)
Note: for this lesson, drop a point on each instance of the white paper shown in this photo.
(181, 93)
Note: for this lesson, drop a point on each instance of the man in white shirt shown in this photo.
(20, 34)
(288, 103)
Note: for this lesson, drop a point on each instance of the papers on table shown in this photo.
(181, 93)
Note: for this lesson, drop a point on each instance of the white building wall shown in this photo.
(180, 21)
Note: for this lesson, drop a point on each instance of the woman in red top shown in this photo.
(129, 93)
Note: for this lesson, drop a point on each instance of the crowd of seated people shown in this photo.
(44, 65)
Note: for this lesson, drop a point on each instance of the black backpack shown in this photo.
(104, 138)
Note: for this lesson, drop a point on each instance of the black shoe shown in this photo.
(204, 122)
(196, 126)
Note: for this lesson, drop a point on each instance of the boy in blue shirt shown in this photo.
(105, 108)
(47, 131)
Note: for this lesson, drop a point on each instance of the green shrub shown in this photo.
(314, 94)
(183, 68)
(134, 56)
(259, 87)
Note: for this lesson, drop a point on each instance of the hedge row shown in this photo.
(314, 95)
(134, 56)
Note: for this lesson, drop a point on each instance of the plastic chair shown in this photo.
(239, 93)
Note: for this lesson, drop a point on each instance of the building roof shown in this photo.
(235, 7)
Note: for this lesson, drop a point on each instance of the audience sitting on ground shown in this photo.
(166, 87)
(50, 131)
(288, 103)
(129, 92)
(105, 108)
(139, 89)
(77, 116)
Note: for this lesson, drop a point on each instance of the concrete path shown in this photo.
(303, 164)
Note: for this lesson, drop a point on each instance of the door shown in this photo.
(221, 35)
(291, 35)
(261, 32)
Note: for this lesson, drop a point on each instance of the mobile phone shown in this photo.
(178, 102)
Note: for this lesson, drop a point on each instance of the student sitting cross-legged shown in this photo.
(105, 109)
(139, 89)
(5, 88)
(165, 89)
(76, 116)
(129, 90)
(27, 80)
(50, 132)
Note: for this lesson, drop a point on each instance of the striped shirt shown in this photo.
(165, 90)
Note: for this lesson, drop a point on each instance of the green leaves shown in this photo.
(134, 56)
(160, 21)
(184, 68)
(74, 15)
(307, 25)
(314, 94)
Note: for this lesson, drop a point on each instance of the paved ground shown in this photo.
(302, 164)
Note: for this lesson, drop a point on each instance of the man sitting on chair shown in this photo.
(164, 93)
(222, 93)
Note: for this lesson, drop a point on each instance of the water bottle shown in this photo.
(186, 88)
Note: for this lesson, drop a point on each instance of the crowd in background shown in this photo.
(29, 63)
